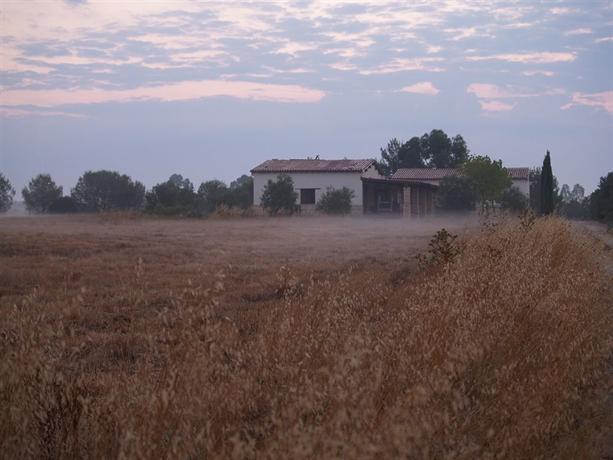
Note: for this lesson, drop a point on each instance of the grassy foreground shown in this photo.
(500, 354)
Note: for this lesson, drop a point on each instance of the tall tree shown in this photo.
(241, 192)
(437, 149)
(491, 179)
(212, 194)
(7, 192)
(432, 150)
(175, 196)
(535, 190)
(410, 154)
(565, 194)
(547, 193)
(41, 193)
(389, 157)
(459, 151)
(578, 193)
(107, 191)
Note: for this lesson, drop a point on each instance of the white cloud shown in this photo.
(403, 65)
(581, 31)
(422, 87)
(604, 39)
(295, 48)
(433, 49)
(603, 100)
(344, 66)
(528, 58)
(181, 91)
(562, 10)
(466, 32)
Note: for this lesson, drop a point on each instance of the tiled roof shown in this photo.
(439, 173)
(313, 165)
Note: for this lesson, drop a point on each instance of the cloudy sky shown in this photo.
(211, 89)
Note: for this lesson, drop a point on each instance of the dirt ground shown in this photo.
(102, 257)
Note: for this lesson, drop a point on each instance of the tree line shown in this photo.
(97, 191)
(484, 181)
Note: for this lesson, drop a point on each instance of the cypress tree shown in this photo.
(546, 205)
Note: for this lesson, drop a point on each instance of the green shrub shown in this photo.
(336, 201)
(513, 200)
(63, 205)
(457, 193)
(279, 195)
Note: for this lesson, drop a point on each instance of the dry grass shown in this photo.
(145, 341)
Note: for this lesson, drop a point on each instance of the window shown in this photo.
(307, 196)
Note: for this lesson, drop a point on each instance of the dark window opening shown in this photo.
(307, 196)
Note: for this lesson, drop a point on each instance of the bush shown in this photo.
(513, 200)
(443, 249)
(336, 201)
(63, 205)
(601, 200)
(279, 195)
(41, 193)
(456, 193)
(575, 209)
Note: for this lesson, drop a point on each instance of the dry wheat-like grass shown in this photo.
(499, 354)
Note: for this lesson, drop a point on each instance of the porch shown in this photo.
(400, 197)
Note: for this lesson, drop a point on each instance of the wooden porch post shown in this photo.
(406, 198)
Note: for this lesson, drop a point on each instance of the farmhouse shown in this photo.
(409, 191)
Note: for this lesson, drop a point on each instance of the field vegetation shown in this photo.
(131, 337)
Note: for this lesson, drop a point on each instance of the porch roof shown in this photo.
(400, 182)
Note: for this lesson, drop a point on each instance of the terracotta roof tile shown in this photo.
(312, 165)
(439, 173)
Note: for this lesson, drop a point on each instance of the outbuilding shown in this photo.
(313, 176)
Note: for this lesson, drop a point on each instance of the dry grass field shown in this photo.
(124, 336)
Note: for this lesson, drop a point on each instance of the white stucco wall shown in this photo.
(523, 186)
(320, 181)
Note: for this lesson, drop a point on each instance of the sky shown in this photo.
(211, 89)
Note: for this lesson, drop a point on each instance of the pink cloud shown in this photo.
(423, 87)
(545, 73)
(489, 95)
(181, 91)
(9, 112)
(488, 91)
(603, 100)
(528, 58)
(496, 106)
